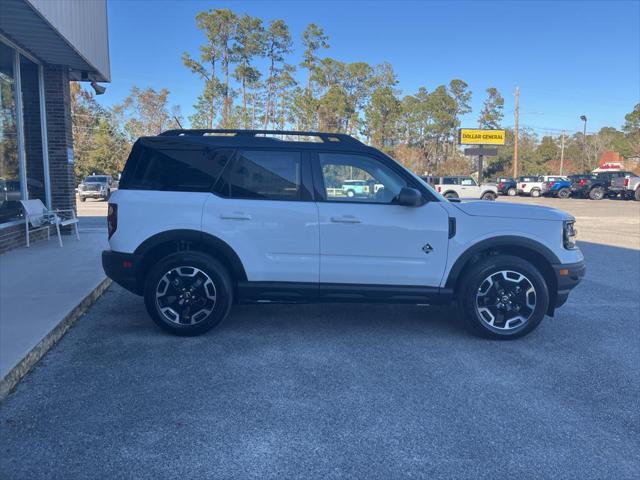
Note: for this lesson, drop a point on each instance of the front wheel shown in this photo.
(564, 193)
(596, 193)
(351, 193)
(512, 192)
(188, 293)
(83, 199)
(449, 195)
(488, 196)
(636, 195)
(535, 193)
(503, 297)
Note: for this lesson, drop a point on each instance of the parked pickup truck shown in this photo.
(464, 187)
(507, 186)
(628, 186)
(533, 186)
(599, 186)
(557, 186)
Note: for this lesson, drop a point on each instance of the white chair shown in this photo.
(39, 217)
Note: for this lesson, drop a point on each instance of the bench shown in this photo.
(39, 217)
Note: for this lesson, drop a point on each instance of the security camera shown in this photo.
(99, 89)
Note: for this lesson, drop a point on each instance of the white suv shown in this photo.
(533, 186)
(465, 188)
(204, 219)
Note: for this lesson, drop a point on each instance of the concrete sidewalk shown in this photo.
(43, 290)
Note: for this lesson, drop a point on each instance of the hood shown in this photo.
(511, 210)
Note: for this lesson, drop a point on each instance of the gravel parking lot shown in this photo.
(346, 391)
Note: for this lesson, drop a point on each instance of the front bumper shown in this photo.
(568, 276)
(92, 194)
(124, 269)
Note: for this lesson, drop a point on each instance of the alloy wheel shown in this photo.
(185, 295)
(505, 300)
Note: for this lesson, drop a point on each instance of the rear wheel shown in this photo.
(188, 293)
(451, 195)
(596, 193)
(564, 193)
(83, 199)
(351, 193)
(488, 196)
(512, 192)
(535, 193)
(636, 195)
(503, 297)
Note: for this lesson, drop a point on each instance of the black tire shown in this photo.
(564, 193)
(596, 193)
(451, 195)
(512, 192)
(472, 283)
(636, 195)
(488, 196)
(83, 199)
(208, 267)
(535, 193)
(106, 199)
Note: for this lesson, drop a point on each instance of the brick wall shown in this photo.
(58, 106)
(14, 237)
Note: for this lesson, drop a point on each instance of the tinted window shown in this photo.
(173, 166)
(358, 178)
(449, 181)
(96, 179)
(468, 182)
(267, 175)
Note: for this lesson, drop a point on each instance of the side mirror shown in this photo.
(410, 197)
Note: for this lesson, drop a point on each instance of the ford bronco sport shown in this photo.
(204, 219)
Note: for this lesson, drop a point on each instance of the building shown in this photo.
(44, 44)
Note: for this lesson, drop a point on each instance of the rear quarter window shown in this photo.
(176, 166)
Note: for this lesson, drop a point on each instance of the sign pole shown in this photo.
(480, 165)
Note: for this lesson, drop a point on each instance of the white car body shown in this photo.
(533, 186)
(464, 188)
(274, 221)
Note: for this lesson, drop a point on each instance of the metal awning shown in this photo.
(22, 24)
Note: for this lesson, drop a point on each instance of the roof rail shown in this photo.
(324, 136)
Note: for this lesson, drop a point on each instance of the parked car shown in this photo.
(598, 186)
(202, 222)
(507, 186)
(96, 186)
(533, 186)
(464, 187)
(624, 186)
(632, 187)
(556, 186)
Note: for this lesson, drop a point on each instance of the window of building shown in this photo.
(265, 175)
(22, 167)
(359, 178)
(10, 191)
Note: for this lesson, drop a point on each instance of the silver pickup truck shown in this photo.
(627, 186)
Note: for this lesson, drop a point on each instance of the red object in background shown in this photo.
(626, 181)
(439, 189)
(523, 185)
(583, 181)
(550, 184)
(500, 185)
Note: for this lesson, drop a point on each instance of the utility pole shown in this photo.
(584, 141)
(516, 134)
(562, 154)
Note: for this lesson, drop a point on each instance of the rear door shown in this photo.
(262, 207)
(370, 240)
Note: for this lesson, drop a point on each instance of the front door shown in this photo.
(367, 238)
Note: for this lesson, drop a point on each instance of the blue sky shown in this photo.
(568, 58)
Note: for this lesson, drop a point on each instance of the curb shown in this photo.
(9, 382)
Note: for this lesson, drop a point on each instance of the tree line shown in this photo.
(248, 80)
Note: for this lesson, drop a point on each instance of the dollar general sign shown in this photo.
(469, 136)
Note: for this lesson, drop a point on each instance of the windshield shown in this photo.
(95, 179)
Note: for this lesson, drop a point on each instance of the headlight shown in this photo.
(569, 234)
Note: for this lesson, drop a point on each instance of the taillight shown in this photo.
(550, 184)
(500, 185)
(626, 182)
(112, 219)
(439, 189)
(583, 181)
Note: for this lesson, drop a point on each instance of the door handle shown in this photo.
(235, 216)
(346, 219)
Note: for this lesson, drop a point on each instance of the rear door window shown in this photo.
(263, 175)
